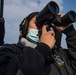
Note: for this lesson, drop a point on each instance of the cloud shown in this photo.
(16, 10)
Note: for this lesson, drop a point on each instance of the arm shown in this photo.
(70, 33)
(28, 60)
(71, 43)
(34, 59)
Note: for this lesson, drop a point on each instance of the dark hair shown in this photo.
(30, 16)
(24, 24)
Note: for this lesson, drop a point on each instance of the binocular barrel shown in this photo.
(50, 10)
(1, 8)
(68, 18)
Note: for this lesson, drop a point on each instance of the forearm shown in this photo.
(44, 49)
(34, 59)
(71, 43)
(70, 33)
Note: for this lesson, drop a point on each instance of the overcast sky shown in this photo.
(16, 10)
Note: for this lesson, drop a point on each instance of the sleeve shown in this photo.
(71, 44)
(6, 55)
(34, 59)
(30, 61)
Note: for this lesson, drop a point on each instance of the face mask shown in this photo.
(33, 35)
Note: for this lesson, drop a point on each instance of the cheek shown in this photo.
(32, 25)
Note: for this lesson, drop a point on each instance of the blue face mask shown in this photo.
(33, 35)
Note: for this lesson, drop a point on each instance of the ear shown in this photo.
(24, 27)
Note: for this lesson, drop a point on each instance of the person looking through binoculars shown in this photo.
(35, 52)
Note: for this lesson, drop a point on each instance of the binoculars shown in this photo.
(50, 15)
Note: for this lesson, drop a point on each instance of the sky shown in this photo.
(16, 10)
